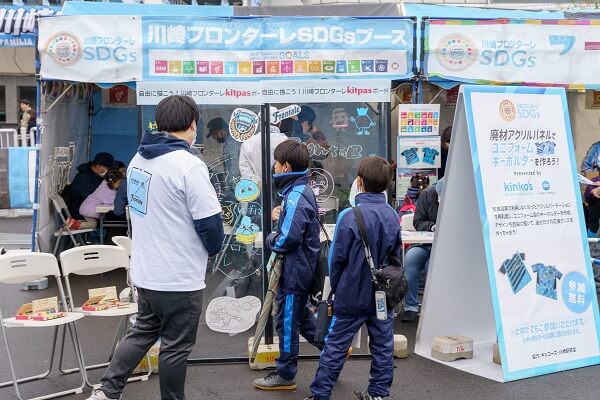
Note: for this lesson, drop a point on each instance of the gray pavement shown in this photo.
(415, 377)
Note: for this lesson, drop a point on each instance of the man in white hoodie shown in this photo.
(251, 151)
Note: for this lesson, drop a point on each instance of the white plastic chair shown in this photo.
(63, 212)
(21, 267)
(124, 242)
(94, 260)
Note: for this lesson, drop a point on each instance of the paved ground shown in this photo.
(415, 377)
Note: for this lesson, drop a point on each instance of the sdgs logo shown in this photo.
(507, 110)
(64, 49)
(456, 52)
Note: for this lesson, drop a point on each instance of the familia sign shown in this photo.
(513, 51)
(17, 24)
(125, 48)
(516, 198)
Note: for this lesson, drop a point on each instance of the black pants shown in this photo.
(172, 316)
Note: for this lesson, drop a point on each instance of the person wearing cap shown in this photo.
(304, 125)
(218, 137)
(251, 151)
(416, 259)
(88, 178)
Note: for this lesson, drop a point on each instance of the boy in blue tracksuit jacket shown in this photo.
(298, 238)
(352, 285)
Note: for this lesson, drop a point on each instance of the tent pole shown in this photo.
(38, 144)
(266, 203)
(58, 98)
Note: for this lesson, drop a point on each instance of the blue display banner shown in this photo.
(277, 47)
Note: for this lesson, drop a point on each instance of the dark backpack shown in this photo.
(322, 269)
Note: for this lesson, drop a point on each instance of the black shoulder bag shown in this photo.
(390, 277)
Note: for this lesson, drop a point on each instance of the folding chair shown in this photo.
(63, 212)
(21, 267)
(95, 260)
(125, 243)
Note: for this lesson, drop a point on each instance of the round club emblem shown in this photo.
(456, 52)
(64, 49)
(507, 110)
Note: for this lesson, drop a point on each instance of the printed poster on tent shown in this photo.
(418, 119)
(419, 152)
(538, 259)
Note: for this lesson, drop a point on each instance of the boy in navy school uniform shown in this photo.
(351, 283)
(298, 238)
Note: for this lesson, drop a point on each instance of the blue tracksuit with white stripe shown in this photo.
(298, 239)
(354, 302)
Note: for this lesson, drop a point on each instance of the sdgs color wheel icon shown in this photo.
(456, 52)
(64, 49)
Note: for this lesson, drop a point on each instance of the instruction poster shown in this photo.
(419, 152)
(419, 119)
(538, 260)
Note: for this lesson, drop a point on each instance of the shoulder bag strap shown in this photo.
(363, 235)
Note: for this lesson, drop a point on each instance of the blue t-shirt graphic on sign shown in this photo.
(546, 280)
(429, 155)
(516, 272)
(545, 148)
(138, 184)
(410, 155)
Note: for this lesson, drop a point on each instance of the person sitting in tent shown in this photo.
(103, 195)
(88, 178)
(591, 161)
(121, 197)
(416, 259)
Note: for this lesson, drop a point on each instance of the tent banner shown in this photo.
(17, 24)
(91, 48)
(130, 48)
(256, 92)
(534, 52)
(277, 47)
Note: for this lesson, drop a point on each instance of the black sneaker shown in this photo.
(409, 316)
(275, 382)
(364, 395)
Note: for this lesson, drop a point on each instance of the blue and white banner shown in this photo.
(513, 51)
(103, 49)
(130, 48)
(17, 24)
(277, 47)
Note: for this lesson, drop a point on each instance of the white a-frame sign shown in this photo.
(510, 262)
